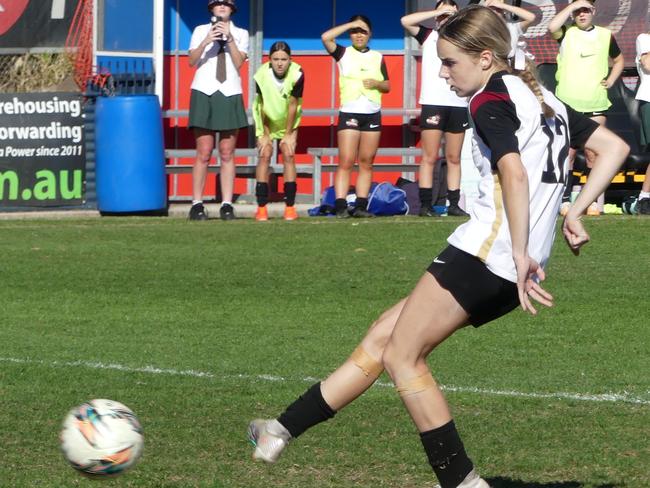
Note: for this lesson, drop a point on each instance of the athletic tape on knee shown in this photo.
(415, 385)
(370, 366)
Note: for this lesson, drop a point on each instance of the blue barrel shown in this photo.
(130, 154)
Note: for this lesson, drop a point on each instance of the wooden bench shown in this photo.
(314, 170)
(247, 169)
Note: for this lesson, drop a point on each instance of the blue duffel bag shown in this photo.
(384, 199)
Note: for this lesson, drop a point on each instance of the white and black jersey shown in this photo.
(434, 90)
(507, 118)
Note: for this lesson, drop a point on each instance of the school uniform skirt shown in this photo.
(216, 112)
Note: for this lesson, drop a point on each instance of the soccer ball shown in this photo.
(101, 437)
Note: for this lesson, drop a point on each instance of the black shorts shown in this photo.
(446, 119)
(597, 113)
(360, 122)
(482, 294)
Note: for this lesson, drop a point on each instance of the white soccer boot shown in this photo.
(269, 437)
(472, 480)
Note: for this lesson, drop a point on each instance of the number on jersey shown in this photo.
(557, 149)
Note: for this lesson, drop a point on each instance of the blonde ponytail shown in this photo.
(529, 76)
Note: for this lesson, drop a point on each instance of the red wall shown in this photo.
(314, 131)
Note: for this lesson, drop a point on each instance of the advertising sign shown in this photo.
(42, 155)
(625, 18)
(27, 24)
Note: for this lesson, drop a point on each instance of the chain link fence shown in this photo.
(36, 73)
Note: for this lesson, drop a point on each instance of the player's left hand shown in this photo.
(498, 4)
(529, 276)
(288, 143)
(575, 233)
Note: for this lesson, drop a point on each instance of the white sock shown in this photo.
(226, 202)
(194, 202)
(644, 194)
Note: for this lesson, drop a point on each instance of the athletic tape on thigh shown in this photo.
(416, 385)
(370, 366)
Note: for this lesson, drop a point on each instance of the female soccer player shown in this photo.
(443, 112)
(277, 110)
(363, 79)
(494, 262)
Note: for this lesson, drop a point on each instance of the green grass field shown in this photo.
(201, 327)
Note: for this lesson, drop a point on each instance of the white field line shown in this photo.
(597, 398)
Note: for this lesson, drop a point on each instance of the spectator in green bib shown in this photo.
(277, 110)
(583, 74)
(363, 79)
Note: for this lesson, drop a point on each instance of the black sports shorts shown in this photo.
(446, 119)
(482, 294)
(598, 113)
(360, 122)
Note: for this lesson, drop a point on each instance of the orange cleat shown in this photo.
(262, 214)
(593, 209)
(290, 213)
(564, 208)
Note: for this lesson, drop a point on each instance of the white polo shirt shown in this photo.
(205, 78)
(642, 47)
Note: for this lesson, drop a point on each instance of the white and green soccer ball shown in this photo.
(101, 438)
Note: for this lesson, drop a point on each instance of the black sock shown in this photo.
(340, 204)
(361, 202)
(308, 410)
(290, 193)
(262, 193)
(446, 455)
(426, 197)
(454, 197)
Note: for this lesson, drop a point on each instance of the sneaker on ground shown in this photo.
(427, 212)
(361, 213)
(643, 206)
(262, 214)
(344, 213)
(472, 480)
(226, 212)
(564, 208)
(456, 211)
(593, 209)
(290, 213)
(198, 212)
(269, 437)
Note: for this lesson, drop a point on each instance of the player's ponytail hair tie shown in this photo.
(517, 58)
